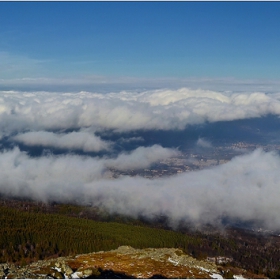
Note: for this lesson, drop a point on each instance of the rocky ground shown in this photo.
(125, 262)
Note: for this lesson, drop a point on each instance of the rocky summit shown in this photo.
(124, 262)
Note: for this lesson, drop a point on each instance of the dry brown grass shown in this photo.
(137, 266)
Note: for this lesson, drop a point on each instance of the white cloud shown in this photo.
(131, 139)
(126, 111)
(80, 140)
(201, 142)
(141, 157)
(246, 188)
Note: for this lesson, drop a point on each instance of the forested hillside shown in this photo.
(28, 236)
(30, 231)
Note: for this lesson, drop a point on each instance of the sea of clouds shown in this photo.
(125, 111)
(245, 189)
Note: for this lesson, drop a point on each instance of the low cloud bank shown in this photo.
(80, 140)
(141, 157)
(245, 189)
(127, 111)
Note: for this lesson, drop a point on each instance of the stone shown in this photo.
(58, 275)
(66, 269)
(124, 261)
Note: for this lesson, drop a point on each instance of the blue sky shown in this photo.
(140, 39)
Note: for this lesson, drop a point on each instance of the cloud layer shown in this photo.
(80, 140)
(244, 189)
(126, 111)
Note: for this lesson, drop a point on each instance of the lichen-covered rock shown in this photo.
(66, 269)
(57, 275)
(86, 272)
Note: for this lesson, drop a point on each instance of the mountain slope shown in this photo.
(124, 262)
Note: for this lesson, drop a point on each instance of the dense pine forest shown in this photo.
(28, 236)
(31, 231)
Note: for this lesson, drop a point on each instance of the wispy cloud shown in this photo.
(201, 142)
(141, 157)
(80, 140)
(17, 67)
(38, 80)
(22, 72)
